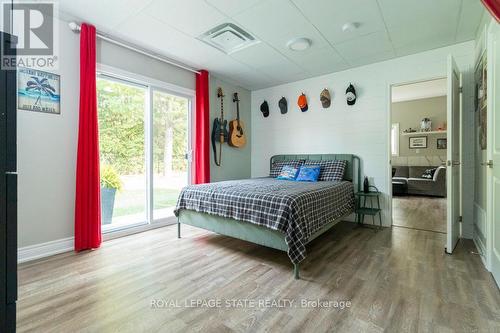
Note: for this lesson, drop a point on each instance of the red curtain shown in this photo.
(493, 7)
(88, 197)
(201, 170)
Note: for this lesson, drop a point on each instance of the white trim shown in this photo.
(43, 250)
(150, 85)
(481, 248)
(479, 216)
(395, 127)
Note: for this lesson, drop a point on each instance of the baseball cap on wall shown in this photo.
(302, 103)
(283, 105)
(350, 94)
(325, 98)
(264, 108)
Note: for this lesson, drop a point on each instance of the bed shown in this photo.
(283, 215)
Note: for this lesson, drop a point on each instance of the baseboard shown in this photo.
(43, 250)
(481, 249)
(479, 216)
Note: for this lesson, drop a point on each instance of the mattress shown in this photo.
(297, 209)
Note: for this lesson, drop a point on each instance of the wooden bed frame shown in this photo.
(262, 235)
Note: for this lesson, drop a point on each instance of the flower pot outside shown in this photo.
(107, 204)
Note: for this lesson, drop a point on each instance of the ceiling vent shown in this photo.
(228, 38)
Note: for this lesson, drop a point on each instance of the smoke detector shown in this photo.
(350, 26)
(299, 44)
(228, 38)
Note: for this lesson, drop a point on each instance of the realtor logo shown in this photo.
(34, 26)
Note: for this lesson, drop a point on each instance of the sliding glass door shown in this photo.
(170, 149)
(144, 148)
(121, 110)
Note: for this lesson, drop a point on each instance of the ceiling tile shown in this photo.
(254, 79)
(470, 18)
(143, 25)
(277, 22)
(417, 14)
(231, 7)
(372, 58)
(98, 12)
(365, 46)
(437, 34)
(193, 17)
(424, 41)
(330, 15)
(259, 55)
(318, 60)
(265, 59)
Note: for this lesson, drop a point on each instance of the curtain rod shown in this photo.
(76, 29)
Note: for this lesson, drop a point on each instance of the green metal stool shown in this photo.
(362, 209)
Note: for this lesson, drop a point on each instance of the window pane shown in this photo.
(121, 140)
(170, 144)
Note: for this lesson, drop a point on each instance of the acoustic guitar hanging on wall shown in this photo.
(219, 130)
(236, 135)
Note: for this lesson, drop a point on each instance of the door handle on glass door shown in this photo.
(488, 163)
(452, 163)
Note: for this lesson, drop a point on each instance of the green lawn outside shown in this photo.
(133, 202)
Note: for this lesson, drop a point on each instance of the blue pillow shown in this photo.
(288, 173)
(308, 173)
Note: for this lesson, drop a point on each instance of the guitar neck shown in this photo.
(222, 108)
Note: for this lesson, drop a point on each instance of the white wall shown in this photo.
(362, 129)
(46, 146)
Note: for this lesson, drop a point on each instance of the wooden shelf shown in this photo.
(425, 133)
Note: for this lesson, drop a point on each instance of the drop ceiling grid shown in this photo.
(390, 28)
(277, 41)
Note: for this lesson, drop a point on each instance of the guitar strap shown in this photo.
(214, 144)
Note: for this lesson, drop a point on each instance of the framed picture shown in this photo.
(418, 142)
(442, 144)
(38, 91)
(480, 100)
(480, 80)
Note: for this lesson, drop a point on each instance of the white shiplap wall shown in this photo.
(361, 129)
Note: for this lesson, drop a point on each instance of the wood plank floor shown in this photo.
(425, 213)
(398, 280)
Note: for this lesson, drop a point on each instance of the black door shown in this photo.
(8, 195)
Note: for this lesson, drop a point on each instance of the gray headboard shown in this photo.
(352, 172)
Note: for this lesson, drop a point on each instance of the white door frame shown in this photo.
(490, 106)
(389, 126)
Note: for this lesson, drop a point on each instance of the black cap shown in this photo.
(264, 108)
(350, 94)
(283, 105)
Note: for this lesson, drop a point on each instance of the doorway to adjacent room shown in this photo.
(419, 155)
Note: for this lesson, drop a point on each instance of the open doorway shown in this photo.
(418, 155)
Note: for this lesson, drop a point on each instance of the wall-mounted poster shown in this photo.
(38, 91)
(418, 142)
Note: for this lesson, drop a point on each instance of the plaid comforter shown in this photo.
(297, 209)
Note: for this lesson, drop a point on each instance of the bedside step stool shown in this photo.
(363, 210)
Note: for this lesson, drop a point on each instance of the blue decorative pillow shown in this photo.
(278, 165)
(288, 173)
(308, 173)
